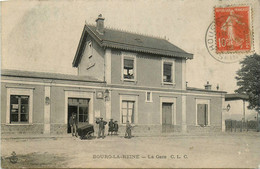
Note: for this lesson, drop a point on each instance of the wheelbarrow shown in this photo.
(86, 132)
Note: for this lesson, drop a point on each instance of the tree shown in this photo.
(248, 80)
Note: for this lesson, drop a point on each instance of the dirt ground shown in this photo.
(223, 150)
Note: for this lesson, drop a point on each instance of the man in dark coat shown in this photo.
(110, 127)
(101, 127)
(116, 127)
(73, 124)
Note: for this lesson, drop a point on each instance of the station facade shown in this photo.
(121, 75)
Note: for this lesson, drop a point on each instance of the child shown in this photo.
(110, 127)
(128, 130)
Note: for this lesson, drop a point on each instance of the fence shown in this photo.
(240, 126)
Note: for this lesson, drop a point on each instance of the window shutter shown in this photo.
(206, 114)
(128, 64)
(148, 97)
(132, 120)
(200, 114)
(167, 69)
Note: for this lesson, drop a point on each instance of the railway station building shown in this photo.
(121, 75)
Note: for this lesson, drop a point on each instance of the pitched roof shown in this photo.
(45, 75)
(131, 42)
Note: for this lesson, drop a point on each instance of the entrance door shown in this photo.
(81, 108)
(167, 117)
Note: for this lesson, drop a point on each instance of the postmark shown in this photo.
(229, 38)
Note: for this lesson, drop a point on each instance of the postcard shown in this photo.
(130, 84)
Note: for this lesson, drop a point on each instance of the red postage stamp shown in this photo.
(233, 32)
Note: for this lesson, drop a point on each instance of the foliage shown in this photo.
(248, 80)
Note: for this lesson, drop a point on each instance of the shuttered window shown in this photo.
(202, 114)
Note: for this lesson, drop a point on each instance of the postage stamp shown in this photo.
(232, 26)
(229, 38)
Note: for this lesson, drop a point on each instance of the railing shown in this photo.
(240, 126)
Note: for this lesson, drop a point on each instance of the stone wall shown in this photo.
(58, 128)
(22, 129)
(203, 129)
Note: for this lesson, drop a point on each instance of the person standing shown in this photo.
(101, 127)
(128, 130)
(116, 127)
(73, 124)
(110, 127)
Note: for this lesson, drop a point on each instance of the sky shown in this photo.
(43, 35)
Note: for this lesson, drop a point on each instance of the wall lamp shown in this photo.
(106, 95)
(227, 108)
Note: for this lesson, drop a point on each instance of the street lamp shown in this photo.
(224, 114)
(106, 94)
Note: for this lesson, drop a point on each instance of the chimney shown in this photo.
(217, 87)
(100, 24)
(208, 86)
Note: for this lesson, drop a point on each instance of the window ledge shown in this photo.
(168, 83)
(130, 80)
(202, 126)
(18, 124)
(148, 101)
(133, 125)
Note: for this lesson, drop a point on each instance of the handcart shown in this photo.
(86, 131)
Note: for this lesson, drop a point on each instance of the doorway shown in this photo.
(80, 106)
(167, 109)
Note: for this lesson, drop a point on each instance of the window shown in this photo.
(168, 75)
(127, 112)
(19, 108)
(202, 112)
(149, 97)
(81, 99)
(89, 49)
(19, 105)
(79, 106)
(167, 72)
(83, 114)
(128, 67)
